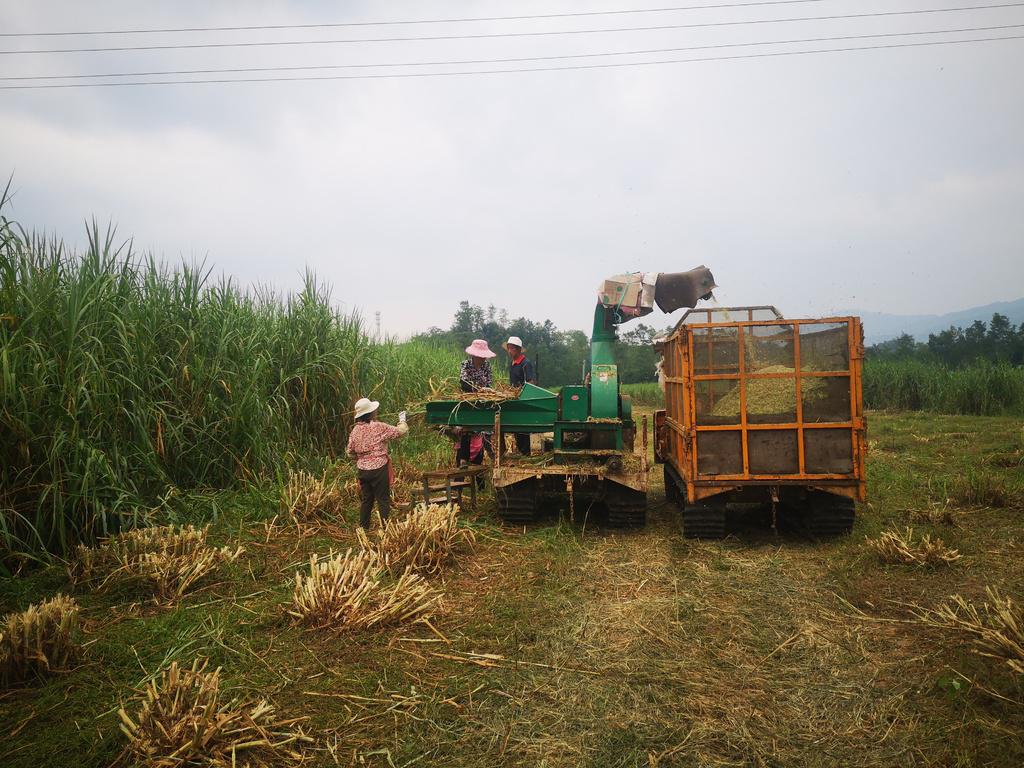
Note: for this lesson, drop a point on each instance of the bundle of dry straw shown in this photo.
(996, 630)
(181, 721)
(347, 591)
(167, 559)
(449, 389)
(307, 497)
(897, 547)
(422, 541)
(41, 639)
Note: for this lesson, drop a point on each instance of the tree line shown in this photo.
(998, 340)
(559, 355)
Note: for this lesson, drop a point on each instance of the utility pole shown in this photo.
(377, 315)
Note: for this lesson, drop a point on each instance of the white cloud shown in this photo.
(866, 180)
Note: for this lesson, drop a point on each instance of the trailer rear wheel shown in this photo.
(517, 503)
(704, 521)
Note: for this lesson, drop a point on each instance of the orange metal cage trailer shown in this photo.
(761, 409)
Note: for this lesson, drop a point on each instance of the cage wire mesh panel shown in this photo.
(790, 375)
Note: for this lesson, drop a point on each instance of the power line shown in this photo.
(183, 46)
(407, 75)
(266, 27)
(240, 70)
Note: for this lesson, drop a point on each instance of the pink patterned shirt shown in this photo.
(368, 443)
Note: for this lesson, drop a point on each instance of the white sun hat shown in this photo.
(513, 341)
(364, 406)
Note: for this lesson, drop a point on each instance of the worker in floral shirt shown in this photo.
(368, 445)
(475, 374)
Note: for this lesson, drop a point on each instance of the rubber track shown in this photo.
(517, 503)
(626, 508)
(704, 522)
(828, 518)
(671, 489)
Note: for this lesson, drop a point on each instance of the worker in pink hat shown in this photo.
(475, 374)
(476, 369)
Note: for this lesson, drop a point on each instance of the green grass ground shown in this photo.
(560, 646)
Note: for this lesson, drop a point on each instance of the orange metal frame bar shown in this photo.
(689, 435)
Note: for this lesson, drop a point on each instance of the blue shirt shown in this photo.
(520, 372)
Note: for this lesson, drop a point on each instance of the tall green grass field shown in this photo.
(122, 380)
(982, 388)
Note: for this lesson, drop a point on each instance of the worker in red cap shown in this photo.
(520, 372)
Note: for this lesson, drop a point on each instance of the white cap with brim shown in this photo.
(513, 341)
(364, 406)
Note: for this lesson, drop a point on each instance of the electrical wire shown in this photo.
(462, 62)
(536, 16)
(408, 75)
(482, 36)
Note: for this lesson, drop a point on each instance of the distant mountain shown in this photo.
(881, 326)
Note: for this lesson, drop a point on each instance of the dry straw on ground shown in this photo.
(348, 592)
(935, 514)
(307, 497)
(41, 639)
(996, 629)
(180, 720)
(903, 548)
(423, 541)
(167, 559)
(449, 389)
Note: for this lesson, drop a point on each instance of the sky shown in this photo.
(876, 180)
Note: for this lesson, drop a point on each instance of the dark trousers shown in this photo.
(373, 486)
(523, 443)
(462, 456)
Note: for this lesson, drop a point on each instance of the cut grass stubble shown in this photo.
(423, 541)
(179, 719)
(41, 639)
(348, 591)
(995, 630)
(169, 560)
(901, 547)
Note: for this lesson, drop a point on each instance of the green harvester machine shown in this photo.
(590, 459)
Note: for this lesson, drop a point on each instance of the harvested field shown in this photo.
(559, 647)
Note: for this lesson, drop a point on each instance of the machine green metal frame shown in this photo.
(592, 423)
(595, 410)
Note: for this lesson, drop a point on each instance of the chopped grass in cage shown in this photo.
(347, 591)
(181, 719)
(424, 540)
(167, 559)
(767, 397)
(39, 640)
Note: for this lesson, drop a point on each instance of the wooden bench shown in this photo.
(445, 486)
